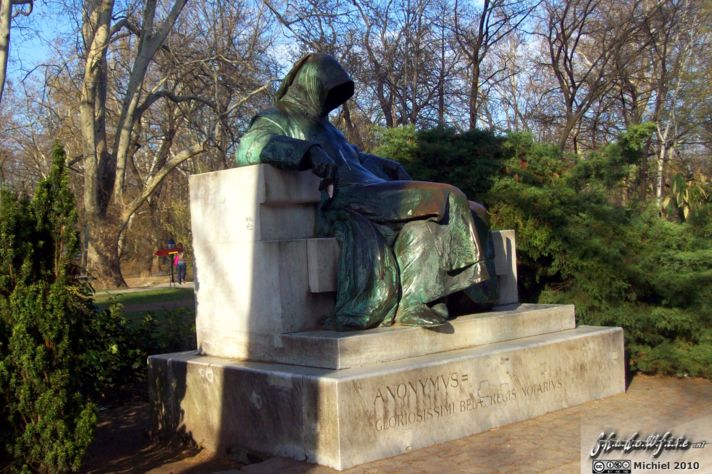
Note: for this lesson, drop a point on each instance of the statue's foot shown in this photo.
(440, 309)
(420, 315)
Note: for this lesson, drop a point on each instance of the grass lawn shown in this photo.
(159, 295)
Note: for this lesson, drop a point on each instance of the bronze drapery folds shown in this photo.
(405, 245)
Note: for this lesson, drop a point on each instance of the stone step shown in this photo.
(341, 418)
(340, 350)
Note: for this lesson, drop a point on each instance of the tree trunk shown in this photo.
(5, 13)
(643, 171)
(353, 132)
(566, 132)
(441, 81)
(474, 92)
(660, 178)
(662, 157)
(103, 261)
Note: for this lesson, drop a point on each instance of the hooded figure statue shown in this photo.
(404, 245)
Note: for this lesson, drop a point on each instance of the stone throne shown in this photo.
(265, 377)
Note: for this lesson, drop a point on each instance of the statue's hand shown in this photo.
(320, 163)
(323, 166)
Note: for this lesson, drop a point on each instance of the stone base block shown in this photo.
(345, 349)
(347, 417)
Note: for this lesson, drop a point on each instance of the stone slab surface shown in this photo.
(271, 185)
(340, 350)
(348, 417)
(323, 263)
(252, 203)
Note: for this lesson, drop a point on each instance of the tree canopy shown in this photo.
(145, 93)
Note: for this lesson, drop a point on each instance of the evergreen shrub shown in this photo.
(583, 237)
(473, 160)
(60, 354)
(620, 265)
(44, 315)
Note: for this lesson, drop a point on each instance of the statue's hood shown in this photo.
(317, 84)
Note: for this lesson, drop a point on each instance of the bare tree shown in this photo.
(6, 16)
(580, 37)
(119, 116)
(215, 69)
(105, 162)
(675, 41)
(656, 69)
(477, 32)
(514, 87)
(408, 60)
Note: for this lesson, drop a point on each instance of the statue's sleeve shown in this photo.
(384, 168)
(266, 141)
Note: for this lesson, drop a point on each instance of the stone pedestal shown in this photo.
(266, 378)
(346, 417)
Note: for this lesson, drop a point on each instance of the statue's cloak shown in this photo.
(398, 237)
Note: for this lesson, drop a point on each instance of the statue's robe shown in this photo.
(403, 243)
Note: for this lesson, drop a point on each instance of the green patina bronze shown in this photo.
(405, 245)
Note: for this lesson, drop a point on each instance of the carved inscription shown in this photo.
(424, 399)
(411, 417)
(542, 387)
(423, 387)
(416, 401)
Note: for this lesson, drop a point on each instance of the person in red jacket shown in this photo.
(179, 263)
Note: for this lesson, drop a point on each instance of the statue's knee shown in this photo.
(480, 210)
(456, 192)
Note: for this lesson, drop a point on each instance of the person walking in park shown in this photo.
(179, 263)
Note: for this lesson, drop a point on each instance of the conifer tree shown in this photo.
(45, 314)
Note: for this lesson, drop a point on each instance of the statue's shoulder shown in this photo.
(271, 112)
(271, 117)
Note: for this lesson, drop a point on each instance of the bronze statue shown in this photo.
(405, 245)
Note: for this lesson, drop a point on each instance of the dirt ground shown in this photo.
(123, 444)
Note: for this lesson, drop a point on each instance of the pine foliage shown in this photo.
(584, 237)
(45, 317)
(472, 159)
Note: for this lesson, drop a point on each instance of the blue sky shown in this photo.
(32, 37)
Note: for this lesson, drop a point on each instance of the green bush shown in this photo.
(116, 354)
(44, 315)
(471, 160)
(584, 237)
(112, 356)
(582, 240)
(59, 353)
